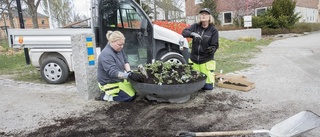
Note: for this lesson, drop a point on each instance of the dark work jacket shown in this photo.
(202, 50)
(110, 63)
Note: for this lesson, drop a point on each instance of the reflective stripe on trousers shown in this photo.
(207, 68)
(114, 88)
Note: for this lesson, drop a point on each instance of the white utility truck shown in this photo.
(50, 49)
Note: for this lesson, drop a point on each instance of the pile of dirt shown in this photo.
(151, 119)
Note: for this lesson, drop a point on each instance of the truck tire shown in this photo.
(173, 57)
(54, 71)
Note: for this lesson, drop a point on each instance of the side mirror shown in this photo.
(144, 24)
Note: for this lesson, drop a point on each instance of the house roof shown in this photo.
(170, 7)
(25, 14)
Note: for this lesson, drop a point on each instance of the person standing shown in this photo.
(114, 69)
(205, 42)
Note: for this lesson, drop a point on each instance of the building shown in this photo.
(231, 9)
(43, 22)
(166, 10)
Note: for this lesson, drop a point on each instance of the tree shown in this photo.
(33, 11)
(171, 8)
(211, 4)
(179, 4)
(61, 11)
(280, 15)
(6, 6)
(167, 6)
(145, 6)
(244, 7)
(283, 10)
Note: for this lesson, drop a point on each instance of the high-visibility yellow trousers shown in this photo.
(121, 91)
(208, 69)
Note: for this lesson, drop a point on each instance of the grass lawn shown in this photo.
(234, 55)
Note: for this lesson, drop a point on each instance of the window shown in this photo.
(124, 17)
(197, 1)
(260, 11)
(42, 22)
(227, 19)
(129, 17)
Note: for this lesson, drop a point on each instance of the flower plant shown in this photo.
(168, 73)
(174, 26)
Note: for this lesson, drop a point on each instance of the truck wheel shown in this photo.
(173, 57)
(54, 71)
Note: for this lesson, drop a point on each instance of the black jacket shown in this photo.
(202, 50)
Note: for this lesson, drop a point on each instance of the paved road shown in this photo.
(287, 77)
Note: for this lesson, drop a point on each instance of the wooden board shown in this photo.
(235, 82)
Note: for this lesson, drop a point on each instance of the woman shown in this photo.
(205, 42)
(114, 69)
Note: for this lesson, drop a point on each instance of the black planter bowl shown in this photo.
(178, 93)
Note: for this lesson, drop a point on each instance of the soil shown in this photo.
(151, 119)
(37, 110)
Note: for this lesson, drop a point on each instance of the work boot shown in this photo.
(108, 98)
(100, 97)
(208, 87)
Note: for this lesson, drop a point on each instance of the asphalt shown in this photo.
(287, 78)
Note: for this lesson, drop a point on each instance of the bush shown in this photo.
(270, 22)
(229, 27)
(270, 31)
(280, 15)
(257, 22)
(307, 27)
(299, 28)
(247, 39)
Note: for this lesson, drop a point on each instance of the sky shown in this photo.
(82, 6)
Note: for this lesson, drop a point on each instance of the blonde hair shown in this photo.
(211, 19)
(113, 36)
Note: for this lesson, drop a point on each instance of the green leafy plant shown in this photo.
(168, 73)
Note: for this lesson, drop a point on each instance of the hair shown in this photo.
(211, 19)
(114, 36)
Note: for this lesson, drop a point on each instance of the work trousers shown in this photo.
(208, 69)
(120, 91)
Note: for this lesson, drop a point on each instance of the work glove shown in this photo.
(196, 36)
(211, 49)
(136, 77)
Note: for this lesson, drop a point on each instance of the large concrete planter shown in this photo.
(178, 93)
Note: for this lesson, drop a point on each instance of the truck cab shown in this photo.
(50, 50)
(145, 42)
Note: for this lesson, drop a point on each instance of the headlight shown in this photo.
(181, 42)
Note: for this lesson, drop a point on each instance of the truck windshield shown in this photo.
(130, 18)
(120, 14)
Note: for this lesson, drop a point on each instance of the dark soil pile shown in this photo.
(151, 119)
